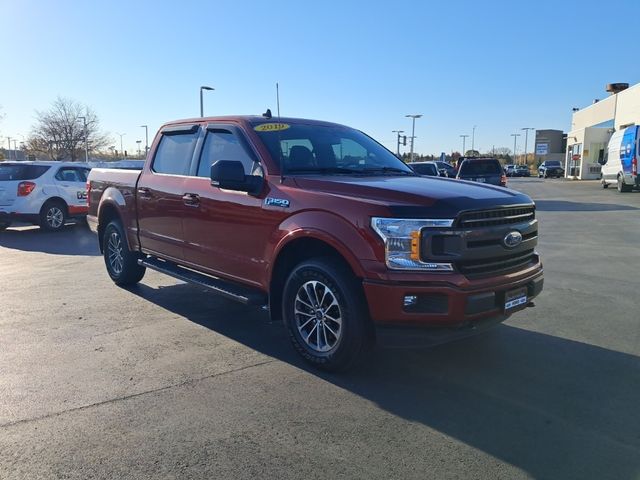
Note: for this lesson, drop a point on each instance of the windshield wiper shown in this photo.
(389, 170)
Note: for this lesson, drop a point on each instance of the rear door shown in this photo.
(71, 183)
(160, 192)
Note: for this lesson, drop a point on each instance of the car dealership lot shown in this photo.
(167, 380)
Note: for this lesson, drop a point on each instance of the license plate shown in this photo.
(515, 298)
(481, 180)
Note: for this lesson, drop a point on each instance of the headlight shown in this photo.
(401, 238)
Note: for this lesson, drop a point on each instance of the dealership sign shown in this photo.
(542, 148)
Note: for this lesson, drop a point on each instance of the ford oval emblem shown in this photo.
(512, 239)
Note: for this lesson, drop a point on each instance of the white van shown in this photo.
(620, 162)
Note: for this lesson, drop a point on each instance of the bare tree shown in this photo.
(59, 131)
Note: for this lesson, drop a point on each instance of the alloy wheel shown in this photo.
(318, 316)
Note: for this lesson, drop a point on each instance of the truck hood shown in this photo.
(416, 196)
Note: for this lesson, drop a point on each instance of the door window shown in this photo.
(174, 153)
(222, 144)
(70, 174)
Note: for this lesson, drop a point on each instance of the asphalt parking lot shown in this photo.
(168, 381)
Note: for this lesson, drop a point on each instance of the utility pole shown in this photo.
(526, 137)
(398, 146)
(515, 140)
(86, 145)
(204, 87)
(121, 149)
(464, 143)
(473, 138)
(413, 131)
(146, 140)
(9, 149)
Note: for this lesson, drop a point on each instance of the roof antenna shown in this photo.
(279, 134)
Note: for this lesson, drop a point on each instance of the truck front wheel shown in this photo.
(122, 263)
(325, 314)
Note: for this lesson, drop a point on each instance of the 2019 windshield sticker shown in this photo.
(271, 127)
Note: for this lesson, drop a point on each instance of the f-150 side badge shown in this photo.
(276, 202)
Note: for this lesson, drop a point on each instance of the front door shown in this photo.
(71, 183)
(226, 232)
(160, 193)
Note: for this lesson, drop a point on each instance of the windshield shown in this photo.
(12, 171)
(328, 150)
(552, 163)
(480, 167)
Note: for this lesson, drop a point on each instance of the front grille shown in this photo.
(490, 218)
(498, 241)
(493, 265)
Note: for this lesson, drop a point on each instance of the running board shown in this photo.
(232, 291)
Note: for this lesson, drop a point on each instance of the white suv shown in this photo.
(42, 193)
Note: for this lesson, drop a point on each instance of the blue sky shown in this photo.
(500, 65)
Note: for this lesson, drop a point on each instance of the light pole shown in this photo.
(473, 138)
(413, 130)
(515, 139)
(121, 149)
(204, 87)
(86, 145)
(138, 142)
(15, 149)
(9, 149)
(398, 132)
(146, 140)
(464, 143)
(526, 137)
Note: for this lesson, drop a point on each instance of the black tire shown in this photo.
(4, 225)
(317, 292)
(122, 263)
(53, 216)
(622, 188)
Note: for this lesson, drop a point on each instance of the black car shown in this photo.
(483, 170)
(425, 168)
(550, 168)
(521, 171)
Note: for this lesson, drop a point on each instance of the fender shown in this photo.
(112, 197)
(330, 228)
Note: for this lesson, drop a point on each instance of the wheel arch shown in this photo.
(108, 212)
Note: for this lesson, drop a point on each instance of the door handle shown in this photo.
(191, 200)
(144, 192)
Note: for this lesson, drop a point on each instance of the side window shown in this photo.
(224, 145)
(348, 152)
(69, 174)
(174, 153)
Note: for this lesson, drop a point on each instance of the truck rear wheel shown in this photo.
(325, 314)
(122, 263)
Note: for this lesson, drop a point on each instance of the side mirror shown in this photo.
(229, 175)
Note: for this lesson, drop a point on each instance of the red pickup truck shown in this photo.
(324, 227)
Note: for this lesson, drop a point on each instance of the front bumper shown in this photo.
(445, 304)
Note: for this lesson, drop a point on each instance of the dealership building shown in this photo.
(592, 126)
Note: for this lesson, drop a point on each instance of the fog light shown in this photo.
(410, 300)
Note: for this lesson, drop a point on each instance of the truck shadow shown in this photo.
(71, 240)
(553, 407)
(566, 206)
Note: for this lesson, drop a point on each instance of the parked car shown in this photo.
(550, 168)
(446, 169)
(620, 162)
(509, 170)
(425, 168)
(521, 171)
(483, 170)
(323, 227)
(42, 193)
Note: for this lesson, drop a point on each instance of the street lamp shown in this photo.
(15, 148)
(121, 149)
(398, 147)
(146, 139)
(464, 143)
(204, 87)
(526, 137)
(86, 145)
(515, 139)
(473, 138)
(413, 131)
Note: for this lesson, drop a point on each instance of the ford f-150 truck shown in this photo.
(322, 226)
